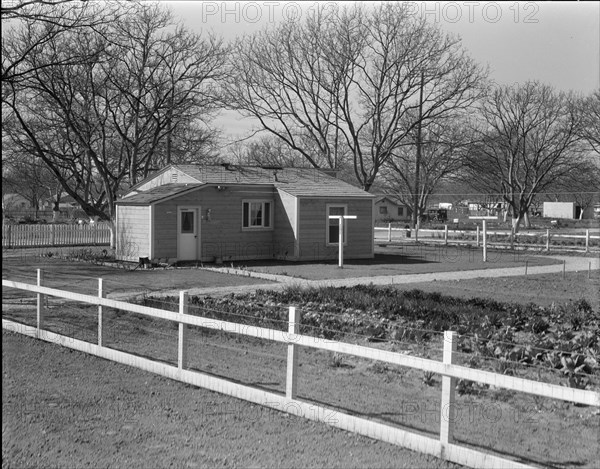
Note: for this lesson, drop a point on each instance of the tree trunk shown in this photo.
(515, 224)
(113, 234)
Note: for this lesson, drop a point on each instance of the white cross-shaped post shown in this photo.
(341, 219)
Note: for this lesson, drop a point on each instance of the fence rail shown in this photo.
(444, 447)
(18, 236)
(542, 240)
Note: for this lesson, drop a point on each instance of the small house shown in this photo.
(569, 210)
(230, 212)
(389, 210)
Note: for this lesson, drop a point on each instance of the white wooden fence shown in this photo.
(543, 240)
(444, 447)
(17, 236)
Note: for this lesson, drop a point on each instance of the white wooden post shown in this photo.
(389, 232)
(341, 244)
(183, 332)
(292, 358)
(484, 242)
(40, 305)
(52, 235)
(446, 235)
(547, 240)
(448, 409)
(587, 240)
(477, 235)
(100, 321)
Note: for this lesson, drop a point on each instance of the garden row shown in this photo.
(562, 338)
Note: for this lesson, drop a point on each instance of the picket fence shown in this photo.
(444, 447)
(18, 236)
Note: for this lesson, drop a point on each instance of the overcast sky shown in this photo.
(555, 42)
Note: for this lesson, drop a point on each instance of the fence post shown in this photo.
(40, 305)
(448, 407)
(52, 235)
(484, 242)
(477, 235)
(183, 331)
(100, 295)
(292, 358)
(587, 240)
(389, 232)
(547, 240)
(446, 235)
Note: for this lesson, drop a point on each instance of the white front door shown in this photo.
(187, 233)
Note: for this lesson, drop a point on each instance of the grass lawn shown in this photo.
(62, 408)
(541, 289)
(400, 260)
(82, 277)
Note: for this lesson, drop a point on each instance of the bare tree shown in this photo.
(98, 123)
(581, 186)
(342, 84)
(267, 150)
(590, 110)
(29, 27)
(446, 147)
(529, 138)
(23, 174)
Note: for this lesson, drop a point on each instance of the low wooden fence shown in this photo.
(19, 236)
(444, 447)
(543, 240)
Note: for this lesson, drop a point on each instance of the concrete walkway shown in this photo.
(571, 264)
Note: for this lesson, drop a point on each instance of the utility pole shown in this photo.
(418, 157)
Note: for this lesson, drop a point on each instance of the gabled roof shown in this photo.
(298, 182)
(389, 198)
(158, 193)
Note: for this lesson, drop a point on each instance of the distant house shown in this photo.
(388, 209)
(14, 202)
(227, 212)
(568, 210)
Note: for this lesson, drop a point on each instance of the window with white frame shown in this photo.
(257, 214)
(383, 210)
(333, 224)
(400, 211)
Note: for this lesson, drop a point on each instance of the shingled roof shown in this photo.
(298, 182)
(158, 193)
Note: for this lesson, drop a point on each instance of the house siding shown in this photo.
(221, 236)
(313, 229)
(132, 232)
(285, 234)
